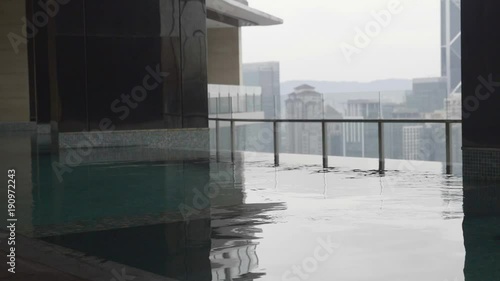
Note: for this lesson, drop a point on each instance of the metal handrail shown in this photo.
(448, 126)
(439, 121)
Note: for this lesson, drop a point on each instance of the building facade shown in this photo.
(451, 47)
(394, 132)
(367, 144)
(304, 103)
(265, 75)
(428, 94)
(100, 72)
(412, 136)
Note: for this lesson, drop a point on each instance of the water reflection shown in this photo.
(482, 245)
(181, 219)
(452, 197)
(481, 229)
(239, 221)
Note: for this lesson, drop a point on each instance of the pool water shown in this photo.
(198, 219)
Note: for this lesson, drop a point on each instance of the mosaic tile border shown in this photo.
(481, 199)
(43, 129)
(132, 154)
(481, 165)
(17, 126)
(481, 176)
(189, 139)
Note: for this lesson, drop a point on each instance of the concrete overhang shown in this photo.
(236, 13)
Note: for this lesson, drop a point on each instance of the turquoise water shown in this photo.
(196, 219)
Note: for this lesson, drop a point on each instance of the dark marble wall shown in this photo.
(481, 103)
(125, 65)
(38, 61)
(481, 138)
(481, 73)
(194, 63)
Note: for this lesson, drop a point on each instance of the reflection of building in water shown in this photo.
(452, 196)
(234, 246)
(232, 262)
(215, 240)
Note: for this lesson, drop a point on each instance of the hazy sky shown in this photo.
(308, 44)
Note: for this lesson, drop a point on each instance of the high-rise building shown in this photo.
(412, 136)
(353, 136)
(394, 132)
(304, 103)
(335, 132)
(428, 94)
(451, 35)
(364, 109)
(453, 105)
(267, 76)
(370, 108)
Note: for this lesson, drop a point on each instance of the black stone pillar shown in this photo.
(127, 65)
(194, 64)
(38, 63)
(481, 138)
(481, 106)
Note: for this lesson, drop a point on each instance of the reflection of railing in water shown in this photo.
(324, 134)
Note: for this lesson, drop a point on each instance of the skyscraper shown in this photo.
(304, 103)
(412, 138)
(267, 76)
(428, 94)
(366, 144)
(451, 35)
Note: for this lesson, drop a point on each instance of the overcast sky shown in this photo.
(308, 44)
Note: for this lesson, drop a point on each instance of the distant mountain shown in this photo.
(328, 87)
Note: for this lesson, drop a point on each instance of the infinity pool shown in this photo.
(201, 220)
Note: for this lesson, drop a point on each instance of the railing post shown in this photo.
(233, 141)
(381, 152)
(218, 106)
(276, 144)
(217, 142)
(324, 137)
(238, 102)
(449, 164)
